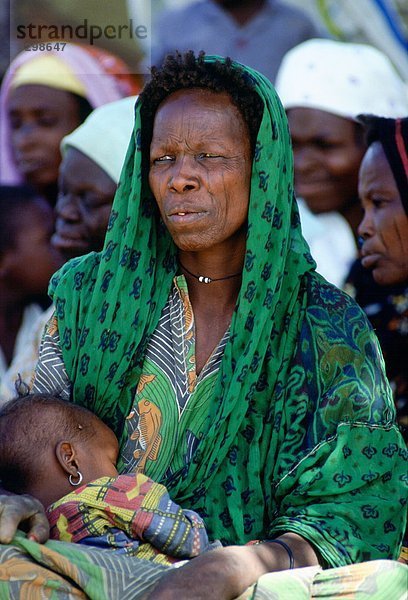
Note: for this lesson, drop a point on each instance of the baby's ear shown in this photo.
(66, 456)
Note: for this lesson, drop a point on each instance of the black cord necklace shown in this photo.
(203, 279)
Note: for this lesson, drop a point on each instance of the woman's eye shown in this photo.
(207, 155)
(164, 158)
(325, 144)
(47, 121)
(91, 201)
(15, 123)
(379, 202)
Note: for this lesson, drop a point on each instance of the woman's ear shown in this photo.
(66, 456)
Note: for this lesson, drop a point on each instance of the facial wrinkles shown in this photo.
(190, 140)
(399, 236)
(186, 132)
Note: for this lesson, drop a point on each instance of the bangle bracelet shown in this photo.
(284, 545)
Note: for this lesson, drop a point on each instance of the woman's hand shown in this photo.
(225, 573)
(22, 510)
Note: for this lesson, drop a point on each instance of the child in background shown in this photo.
(50, 446)
(27, 261)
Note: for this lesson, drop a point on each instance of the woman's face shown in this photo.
(384, 227)
(83, 207)
(39, 118)
(327, 152)
(200, 169)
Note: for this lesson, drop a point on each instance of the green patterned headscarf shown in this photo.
(108, 304)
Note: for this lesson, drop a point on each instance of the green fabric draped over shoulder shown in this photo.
(272, 423)
(107, 304)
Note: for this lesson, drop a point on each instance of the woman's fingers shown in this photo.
(22, 510)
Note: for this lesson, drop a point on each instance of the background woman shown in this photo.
(379, 282)
(93, 156)
(44, 96)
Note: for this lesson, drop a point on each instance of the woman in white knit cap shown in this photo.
(324, 85)
(93, 155)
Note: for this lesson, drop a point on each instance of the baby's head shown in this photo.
(48, 446)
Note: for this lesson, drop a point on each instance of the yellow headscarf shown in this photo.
(51, 71)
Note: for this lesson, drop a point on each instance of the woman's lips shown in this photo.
(65, 241)
(370, 260)
(310, 186)
(185, 217)
(30, 165)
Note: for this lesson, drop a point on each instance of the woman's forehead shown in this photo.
(36, 97)
(197, 97)
(202, 110)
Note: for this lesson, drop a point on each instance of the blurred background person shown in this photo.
(380, 23)
(255, 32)
(379, 281)
(324, 85)
(27, 261)
(46, 95)
(93, 155)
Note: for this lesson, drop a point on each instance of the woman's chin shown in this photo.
(389, 276)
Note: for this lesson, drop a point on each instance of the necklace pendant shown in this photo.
(203, 279)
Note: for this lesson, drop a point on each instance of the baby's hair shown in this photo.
(28, 426)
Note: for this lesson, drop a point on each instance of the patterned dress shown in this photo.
(386, 308)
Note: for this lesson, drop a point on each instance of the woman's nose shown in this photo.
(24, 137)
(365, 229)
(184, 177)
(67, 207)
(304, 160)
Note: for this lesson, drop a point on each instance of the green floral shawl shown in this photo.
(298, 382)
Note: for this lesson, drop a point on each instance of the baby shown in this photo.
(65, 456)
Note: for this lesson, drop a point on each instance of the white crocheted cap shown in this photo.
(341, 78)
(105, 135)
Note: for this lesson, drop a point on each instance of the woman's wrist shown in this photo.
(283, 545)
(287, 551)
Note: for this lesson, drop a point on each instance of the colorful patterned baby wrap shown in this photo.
(131, 514)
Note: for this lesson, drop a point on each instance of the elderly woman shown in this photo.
(44, 96)
(379, 282)
(227, 367)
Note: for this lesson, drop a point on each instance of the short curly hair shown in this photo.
(186, 71)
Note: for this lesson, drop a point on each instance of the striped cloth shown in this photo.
(60, 571)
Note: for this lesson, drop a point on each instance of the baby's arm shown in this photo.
(151, 516)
